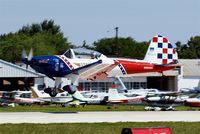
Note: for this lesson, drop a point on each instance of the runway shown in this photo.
(93, 117)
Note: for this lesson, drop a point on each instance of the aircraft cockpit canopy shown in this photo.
(82, 53)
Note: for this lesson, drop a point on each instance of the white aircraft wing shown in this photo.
(87, 67)
(98, 72)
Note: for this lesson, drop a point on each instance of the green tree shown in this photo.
(45, 38)
(194, 46)
(191, 50)
(121, 47)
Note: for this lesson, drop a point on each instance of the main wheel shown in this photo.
(53, 93)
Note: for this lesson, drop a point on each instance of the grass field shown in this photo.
(58, 108)
(89, 128)
(95, 128)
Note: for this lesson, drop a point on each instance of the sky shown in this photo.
(92, 20)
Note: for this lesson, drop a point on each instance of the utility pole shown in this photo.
(116, 44)
(116, 29)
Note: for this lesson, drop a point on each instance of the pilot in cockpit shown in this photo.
(94, 55)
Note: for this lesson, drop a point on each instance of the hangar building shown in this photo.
(190, 74)
(14, 77)
(165, 82)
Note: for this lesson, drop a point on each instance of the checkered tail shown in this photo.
(161, 51)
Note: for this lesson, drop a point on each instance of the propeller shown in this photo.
(26, 59)
(30, 56)
(24, 55)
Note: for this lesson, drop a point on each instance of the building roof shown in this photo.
(8, 69)
(190, 67)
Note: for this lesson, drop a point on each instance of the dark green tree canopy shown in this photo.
(191, 50)
(45, 38)
(121, 47)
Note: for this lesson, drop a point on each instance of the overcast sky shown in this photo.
(91, 20)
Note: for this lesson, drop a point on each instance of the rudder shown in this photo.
(161, 51)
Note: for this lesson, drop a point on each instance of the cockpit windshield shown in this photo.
(68, 54)
(82, 53)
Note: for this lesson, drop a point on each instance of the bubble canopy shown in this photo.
(82, 53)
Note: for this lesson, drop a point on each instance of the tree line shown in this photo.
(46, 38)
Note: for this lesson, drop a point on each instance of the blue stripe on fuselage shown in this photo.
(51, 66)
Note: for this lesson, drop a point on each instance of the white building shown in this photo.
(190, 73)
(166, 81)
(14, 77)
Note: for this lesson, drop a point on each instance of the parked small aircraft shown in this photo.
(92, 65)
(193, 90)
(163, 101)
(63, 98)
(17, 97)
(193, 102)
(98, 100)
(112, 97)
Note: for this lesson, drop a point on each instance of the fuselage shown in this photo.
(60, 66)
(127, 66)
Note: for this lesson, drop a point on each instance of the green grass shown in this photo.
(58, 108)
(89, 128)
(96, 128)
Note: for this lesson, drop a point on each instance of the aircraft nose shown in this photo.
(33, 61)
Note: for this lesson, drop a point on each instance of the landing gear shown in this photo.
(58, 88)
(52, 92)
(71, 89)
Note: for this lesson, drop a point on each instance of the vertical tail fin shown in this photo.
(161, 51)
(120, 85)
(36, 92)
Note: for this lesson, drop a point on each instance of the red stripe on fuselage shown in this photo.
(66, 62)
(132, 67)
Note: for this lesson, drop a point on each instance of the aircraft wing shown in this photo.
(160, 94)
(83, 69)
(97, 73)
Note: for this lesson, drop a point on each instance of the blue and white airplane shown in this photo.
(73, 64)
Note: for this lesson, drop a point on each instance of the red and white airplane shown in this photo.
(115, 98)
(17, 97)
(86, 64)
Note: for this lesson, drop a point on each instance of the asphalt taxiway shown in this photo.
(92, 117)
